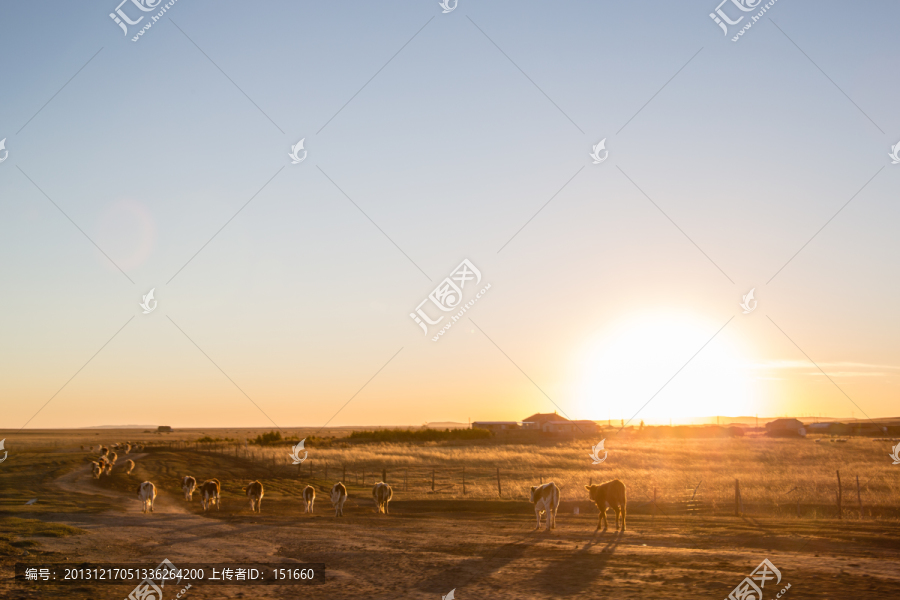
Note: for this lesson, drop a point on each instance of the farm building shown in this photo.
(553, 423)
(785, 428)
(164, 429)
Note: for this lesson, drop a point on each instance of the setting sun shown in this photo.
(635, 358)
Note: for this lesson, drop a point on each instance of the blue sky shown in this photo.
(447, 148)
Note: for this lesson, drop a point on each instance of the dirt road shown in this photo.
(424, 549)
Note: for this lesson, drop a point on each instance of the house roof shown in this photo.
(544, 417)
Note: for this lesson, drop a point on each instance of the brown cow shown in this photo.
(255, 493)
(309, 497)
(611, 493)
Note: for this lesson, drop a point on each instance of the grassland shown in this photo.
(478, 542)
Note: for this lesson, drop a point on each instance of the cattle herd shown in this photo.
(545, 498)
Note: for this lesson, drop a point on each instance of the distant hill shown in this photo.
(153, 427)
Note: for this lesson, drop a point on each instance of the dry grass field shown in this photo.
(688, 544)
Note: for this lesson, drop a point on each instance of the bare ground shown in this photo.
(423, 549)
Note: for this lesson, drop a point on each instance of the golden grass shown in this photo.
(773, 473)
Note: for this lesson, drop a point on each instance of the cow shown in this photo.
(545, 499)
(382, 494)
(209, 493)
(96, 469)
(129, 467)
(115, 446)
(109, 467)
(127, 448)
(113, 457)
(188, 485)
(611, 493)
(309, 497)
(104, 451)
(255, 493)
(338, 497)
(147, 494)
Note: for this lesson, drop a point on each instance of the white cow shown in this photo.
(188, 485)
(309, 497)
(209, 493)
(129, 467)
(545, 499)
(382, 494)
(96, 469)
(338, 497)
(146, 494)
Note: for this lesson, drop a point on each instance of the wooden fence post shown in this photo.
(654, 505)
(406, 480)
(499, 488)
(858, 497)
(432, 481)
(737, 498)
(383, 475)
(343, 473)
(464, 481)
(839, 498)
(326, 470)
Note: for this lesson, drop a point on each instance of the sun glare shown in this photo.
(633, 360)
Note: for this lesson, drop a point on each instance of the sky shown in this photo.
(283, 292)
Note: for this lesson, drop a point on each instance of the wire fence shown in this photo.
(664, 489)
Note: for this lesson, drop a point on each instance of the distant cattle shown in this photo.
(127, 448)
(611, 493)
(255, 493)
(109, 467)
(545, 499)
(113, 457)
(146, 494)
(129, 467)
(104, 451)
(309, 497)
(209, 493)
(188, 485)
(96, 469)
(338, 497)
(382, 494)
(116, 446)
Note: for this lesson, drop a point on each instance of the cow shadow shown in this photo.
(582, 567)
(477, 567)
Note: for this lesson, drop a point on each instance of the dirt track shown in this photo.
(424, 549)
